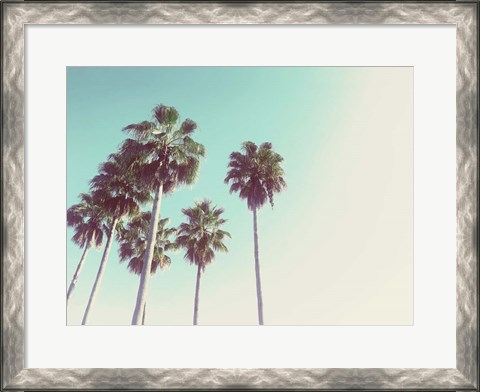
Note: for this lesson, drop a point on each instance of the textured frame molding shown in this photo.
(16, 14)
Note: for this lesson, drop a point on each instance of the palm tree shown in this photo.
(256, 174)
(115, 187)
(201, 237)
(133, 245)
(167, 157)
(86, 218)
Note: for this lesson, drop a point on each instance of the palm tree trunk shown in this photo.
(101, 271)
(77, 271)
(197, 291)
(144, 313)
(147, 262)
(257, 268)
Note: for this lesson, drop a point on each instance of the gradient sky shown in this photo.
(337, 249)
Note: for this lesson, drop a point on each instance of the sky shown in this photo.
(337, 248)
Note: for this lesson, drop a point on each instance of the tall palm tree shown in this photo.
(167, 157)
(133, 245)
(256, 174)
(201, 237)
(86, 218)
(115, 187)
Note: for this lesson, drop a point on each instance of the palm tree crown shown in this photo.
(86, 218)
(201, 235)
(133, 243)
(256, 174)
(164, 149)
(117, 188)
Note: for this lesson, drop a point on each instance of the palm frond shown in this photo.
(141, 130)
(165, 115)
(188, 126)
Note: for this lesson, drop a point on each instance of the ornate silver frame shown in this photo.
(16, 14)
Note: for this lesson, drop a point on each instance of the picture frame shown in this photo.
(17, 14)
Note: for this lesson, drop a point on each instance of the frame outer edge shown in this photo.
(13, 346)
(467, 182)
(15, 15)
(240, 379)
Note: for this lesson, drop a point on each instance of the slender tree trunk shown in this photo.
(147, 262)
(101, 271)
(257, 268)
(77, 271)
(144, 313)
(197, 291)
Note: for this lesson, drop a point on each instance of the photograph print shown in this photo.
(239, 196)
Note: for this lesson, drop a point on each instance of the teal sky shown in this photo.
(313, 116)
